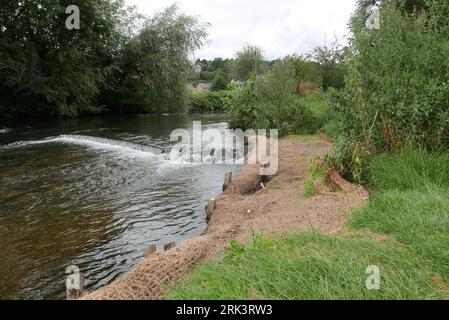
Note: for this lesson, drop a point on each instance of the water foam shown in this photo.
(5, 130)
(123, 147)
(178, 156)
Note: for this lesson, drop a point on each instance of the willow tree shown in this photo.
(155, 63)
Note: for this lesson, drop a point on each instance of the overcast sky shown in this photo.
(279, 27)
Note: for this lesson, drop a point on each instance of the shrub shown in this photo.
(220, 81)
(266, 102)
(397, 86)
(270, 102)
(208, 101)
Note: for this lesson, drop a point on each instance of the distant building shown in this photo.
(204, 86)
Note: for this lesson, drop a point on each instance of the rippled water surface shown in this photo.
(93, 193)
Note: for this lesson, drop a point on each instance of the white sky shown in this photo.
(279, 27)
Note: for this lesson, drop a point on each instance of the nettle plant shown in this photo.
(397, 85)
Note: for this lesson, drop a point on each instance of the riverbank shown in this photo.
(277, 208)
(392, 248)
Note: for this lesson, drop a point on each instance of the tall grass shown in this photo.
(418, 219)
(410, 169)
(411, 203)
(309, 266)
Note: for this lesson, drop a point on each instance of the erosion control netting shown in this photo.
(276, 208)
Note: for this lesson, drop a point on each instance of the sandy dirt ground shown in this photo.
(275, 209)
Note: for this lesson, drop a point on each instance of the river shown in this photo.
(93, 193)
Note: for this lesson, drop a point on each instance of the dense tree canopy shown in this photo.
(47, 69)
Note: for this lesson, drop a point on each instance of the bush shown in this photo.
(220, 81)
(270, 102)
(208, 101)
(397, 86)
(266, 102)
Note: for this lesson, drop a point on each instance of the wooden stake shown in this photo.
(169, 246)
(149, 250)
(210, 207)
(227, 180)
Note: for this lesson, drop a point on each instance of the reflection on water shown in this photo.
(94, 193)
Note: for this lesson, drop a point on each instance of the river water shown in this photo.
(93, 193)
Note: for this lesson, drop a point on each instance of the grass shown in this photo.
(418, 219)
(315, 173)
(309, 266)
(410, 204)
(411, 169)
(317, 103)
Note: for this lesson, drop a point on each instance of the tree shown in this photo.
(155, 63)
(249, 60)
(220, 81)
(330, 58)
(308, 74)
(46, 68)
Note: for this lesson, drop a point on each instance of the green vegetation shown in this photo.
(330, 59)
(315, 173)
(409, 169)
(249, 61)
(121, 62)
(309, 266)
(109, 63)
(154, 65)
(410, 203)
(213, 71)
(397, 84)
(270, 101)
(209, 101)
(46, 68)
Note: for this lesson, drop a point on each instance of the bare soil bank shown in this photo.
(278, 208)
